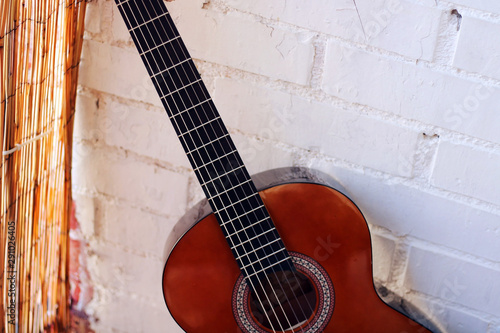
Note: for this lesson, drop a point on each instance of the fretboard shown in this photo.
(245, 222)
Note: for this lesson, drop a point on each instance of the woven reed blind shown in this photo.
(40, 44)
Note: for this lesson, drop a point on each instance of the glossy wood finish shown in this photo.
(312, 219)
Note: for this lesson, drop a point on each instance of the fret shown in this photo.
(244, 228)
(225, 174)
(259, 260)
(214, 160)
(206, 144)
(199, 126)
(253, 238)
(266, 253)
(175, 105)
(122, 2)
(183, 87)
(171, 67)
(232, 204)
(260, 242)
(189, 109)
(247, 253)
(149, 21)
(268, 267)
(256, 234)
(210, 166)
(137, 12)
(127, 14)
(142, 11)
(221, 197)
(207, 134)
(237, 241)
(171, 52)
(159, 45)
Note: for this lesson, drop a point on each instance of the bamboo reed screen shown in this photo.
(40, 44)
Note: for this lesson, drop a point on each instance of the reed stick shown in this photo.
(40, 47)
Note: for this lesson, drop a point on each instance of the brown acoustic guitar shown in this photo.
(294, 257)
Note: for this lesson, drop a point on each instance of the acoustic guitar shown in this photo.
(293, 257)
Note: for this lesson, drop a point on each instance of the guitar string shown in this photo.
(211, 125)
(189, 115)
(194, 71)
(188, 58)
(174, 121)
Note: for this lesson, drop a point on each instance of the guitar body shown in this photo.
(316, 222)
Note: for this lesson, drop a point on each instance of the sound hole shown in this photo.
(283, 300)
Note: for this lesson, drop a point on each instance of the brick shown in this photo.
(383, 253)
(140, 231)
(139, 128)
(127, 313)
(460, 321)
(395, 25)
(244, 43)
(450, 319)
(486, 5)
(475, 54)
(280, 116)
(84, 213)
(118, 71)
(412, 92)
(120, 270)
(454, 280)
(118, 32)
(85, 117)
(468, 171)
(93, 17)
(141, 184)
(409, 211)
(259, 156)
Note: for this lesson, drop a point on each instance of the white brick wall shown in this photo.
(401, 107)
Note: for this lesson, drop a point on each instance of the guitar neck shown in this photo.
(241, 214)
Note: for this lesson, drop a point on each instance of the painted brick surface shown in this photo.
(395, 25)
(475, 54)
(122, 224)
(142, 129)
(136, 274)
(121, 315)
(281, 116)
(456, 282)
(468, 171)
(85, 120)
(139, 183)
(453, 319)
(383, 252)
(215, 38)
(259, 155)
(115, 65)
(412, 92)
(404, 115)
(485, 5)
